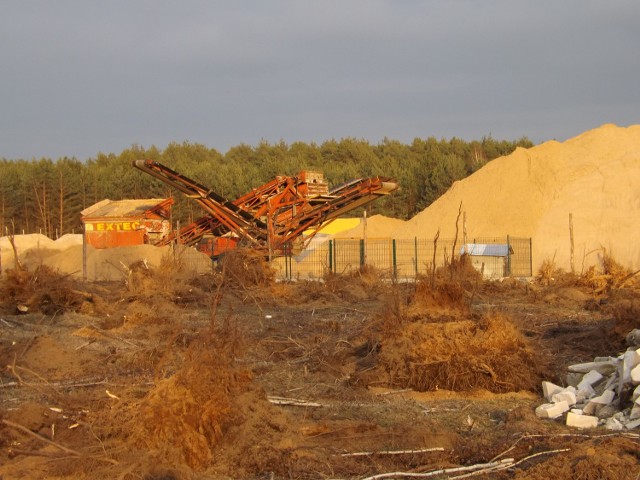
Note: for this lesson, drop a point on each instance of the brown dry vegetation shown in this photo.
(162, 376)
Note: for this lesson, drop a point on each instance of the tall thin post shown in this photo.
(571, 240)
(330, 255)
(508, 256)
(395, 263)
(415, 254)
(84, 251)
(530, 257)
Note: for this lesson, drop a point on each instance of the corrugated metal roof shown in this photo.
(121, 208)
(486, 249)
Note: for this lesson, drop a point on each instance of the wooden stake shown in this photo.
(571, 239)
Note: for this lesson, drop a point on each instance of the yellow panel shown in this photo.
(338, 225)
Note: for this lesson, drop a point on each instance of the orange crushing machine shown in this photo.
(270, 218)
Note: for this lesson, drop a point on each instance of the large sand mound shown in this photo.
(531, 193)
(377, 226)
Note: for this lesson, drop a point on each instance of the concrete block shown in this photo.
(635, 359)
(605, 399)
(581, 421)
(613, 424)
(576, 411)
(596, 403)
(603, 367)
(611, 382)
(632, 424)
(636, 393)
(585, 393)
(635, 375)
(590, 378)
(549, 389)
(568, 395)
(635, 412)
(630, 359)
(552, 410)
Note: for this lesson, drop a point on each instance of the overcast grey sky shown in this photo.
(87, 76)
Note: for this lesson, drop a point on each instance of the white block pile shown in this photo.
(605, 392)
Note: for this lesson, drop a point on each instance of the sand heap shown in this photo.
(377, 226)
(532, 192)
(65, 255)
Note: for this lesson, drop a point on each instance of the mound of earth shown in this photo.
(533, 192)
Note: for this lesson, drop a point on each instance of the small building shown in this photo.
(492, 259)
(118, 223)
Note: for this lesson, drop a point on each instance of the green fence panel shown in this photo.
(408, 258)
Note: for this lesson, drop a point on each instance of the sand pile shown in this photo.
(65, 256)
(377, 226)
(23, 243)
(532, 192)
(68, 240)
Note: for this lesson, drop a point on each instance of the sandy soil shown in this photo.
(174, 376)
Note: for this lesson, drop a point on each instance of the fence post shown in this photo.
(361, 253)
(415, 254)
(508, 256)
(84, 251)
(395, 264)
(530, 257)
(330, 255)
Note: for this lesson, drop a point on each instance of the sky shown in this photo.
(84, 77)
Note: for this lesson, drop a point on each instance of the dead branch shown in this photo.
(561, 435)
(393, 452)
(433, 265)
(477, 469)
(293, 401)
(70, 451)
(12, 236)
(443, 471)
(507, 466)
(455, 240)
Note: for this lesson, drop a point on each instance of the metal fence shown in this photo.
(407, 258)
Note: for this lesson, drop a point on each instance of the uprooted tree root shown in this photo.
(609, 275)
(186, 415)
(460, 355)
(42, 290)
(246, 268)
(186, 418)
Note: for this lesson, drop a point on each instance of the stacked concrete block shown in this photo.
(581, 421)
(605, 392)
(552, 410)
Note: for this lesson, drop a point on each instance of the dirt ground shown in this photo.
(235, 376)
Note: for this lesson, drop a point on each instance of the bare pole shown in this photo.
(571, 240)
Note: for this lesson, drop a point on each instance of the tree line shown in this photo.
(46, 196)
